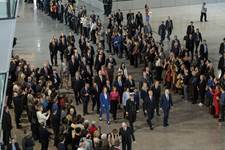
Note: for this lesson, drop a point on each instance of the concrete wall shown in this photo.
(139, 4)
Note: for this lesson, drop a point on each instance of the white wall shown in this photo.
(7, 30)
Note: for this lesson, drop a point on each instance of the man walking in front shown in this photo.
(162, 32)
(127, 135)
(169, 27)
(166, 104)
(150, 108)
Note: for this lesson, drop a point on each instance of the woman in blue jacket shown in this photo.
(105, 105)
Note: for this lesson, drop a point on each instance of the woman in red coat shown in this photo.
(114, 100)
(216, 96)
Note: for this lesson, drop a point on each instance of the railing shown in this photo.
(7, 9)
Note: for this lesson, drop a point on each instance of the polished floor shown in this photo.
(191, 127)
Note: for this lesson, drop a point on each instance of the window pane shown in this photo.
(3, 9)
(7, 8)
(2, 89)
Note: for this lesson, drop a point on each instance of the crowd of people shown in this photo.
(88, 66)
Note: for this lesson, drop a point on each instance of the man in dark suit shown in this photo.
(130, 83)
(77, 85)
(53, 49)
(190, 44)
(190, 28)
(6, 125)
(221, 65)
(197, 38)
(166, 104)
(119, 17)
(85, 93)
(131, 110)
(162, 32)
(130, 17)
(127, 135)
(203, 50)
(222, 47)
(100, 80)
(18, 101)
(139, 20)
(156, 93)
(169, 27)
(95, 93)
(46, 71)
(56, 80)
(150, 108)
(73, 65)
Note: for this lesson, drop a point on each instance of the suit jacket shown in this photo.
(166, 104)
(100, 83)
(73, 67)
(83, 94)
(77, 84)
(202, 86)
(131, 109)
(190, 29)
(203, 52)
(46, 73)
(53, 48)
(169, 25)
(130, 84)
(126, 135)
(156, 92)
(221, 63)
(118, 86)
(6, 122)
(198, 37)
(139, 19)
(162, 30)
(104, 101)
(150, 104)
(190, 43)
(18, 102)
(222, 45)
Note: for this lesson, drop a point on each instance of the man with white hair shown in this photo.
(127, 135)
(166, 104)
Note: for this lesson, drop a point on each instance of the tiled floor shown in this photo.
(191, 127)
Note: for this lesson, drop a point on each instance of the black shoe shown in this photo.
(151, 128)
(158, 114)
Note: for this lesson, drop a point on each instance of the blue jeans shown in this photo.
(104, 110)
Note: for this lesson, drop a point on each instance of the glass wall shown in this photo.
(7, 9)
(2, 89)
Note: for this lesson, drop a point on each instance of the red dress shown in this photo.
(216, 95)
